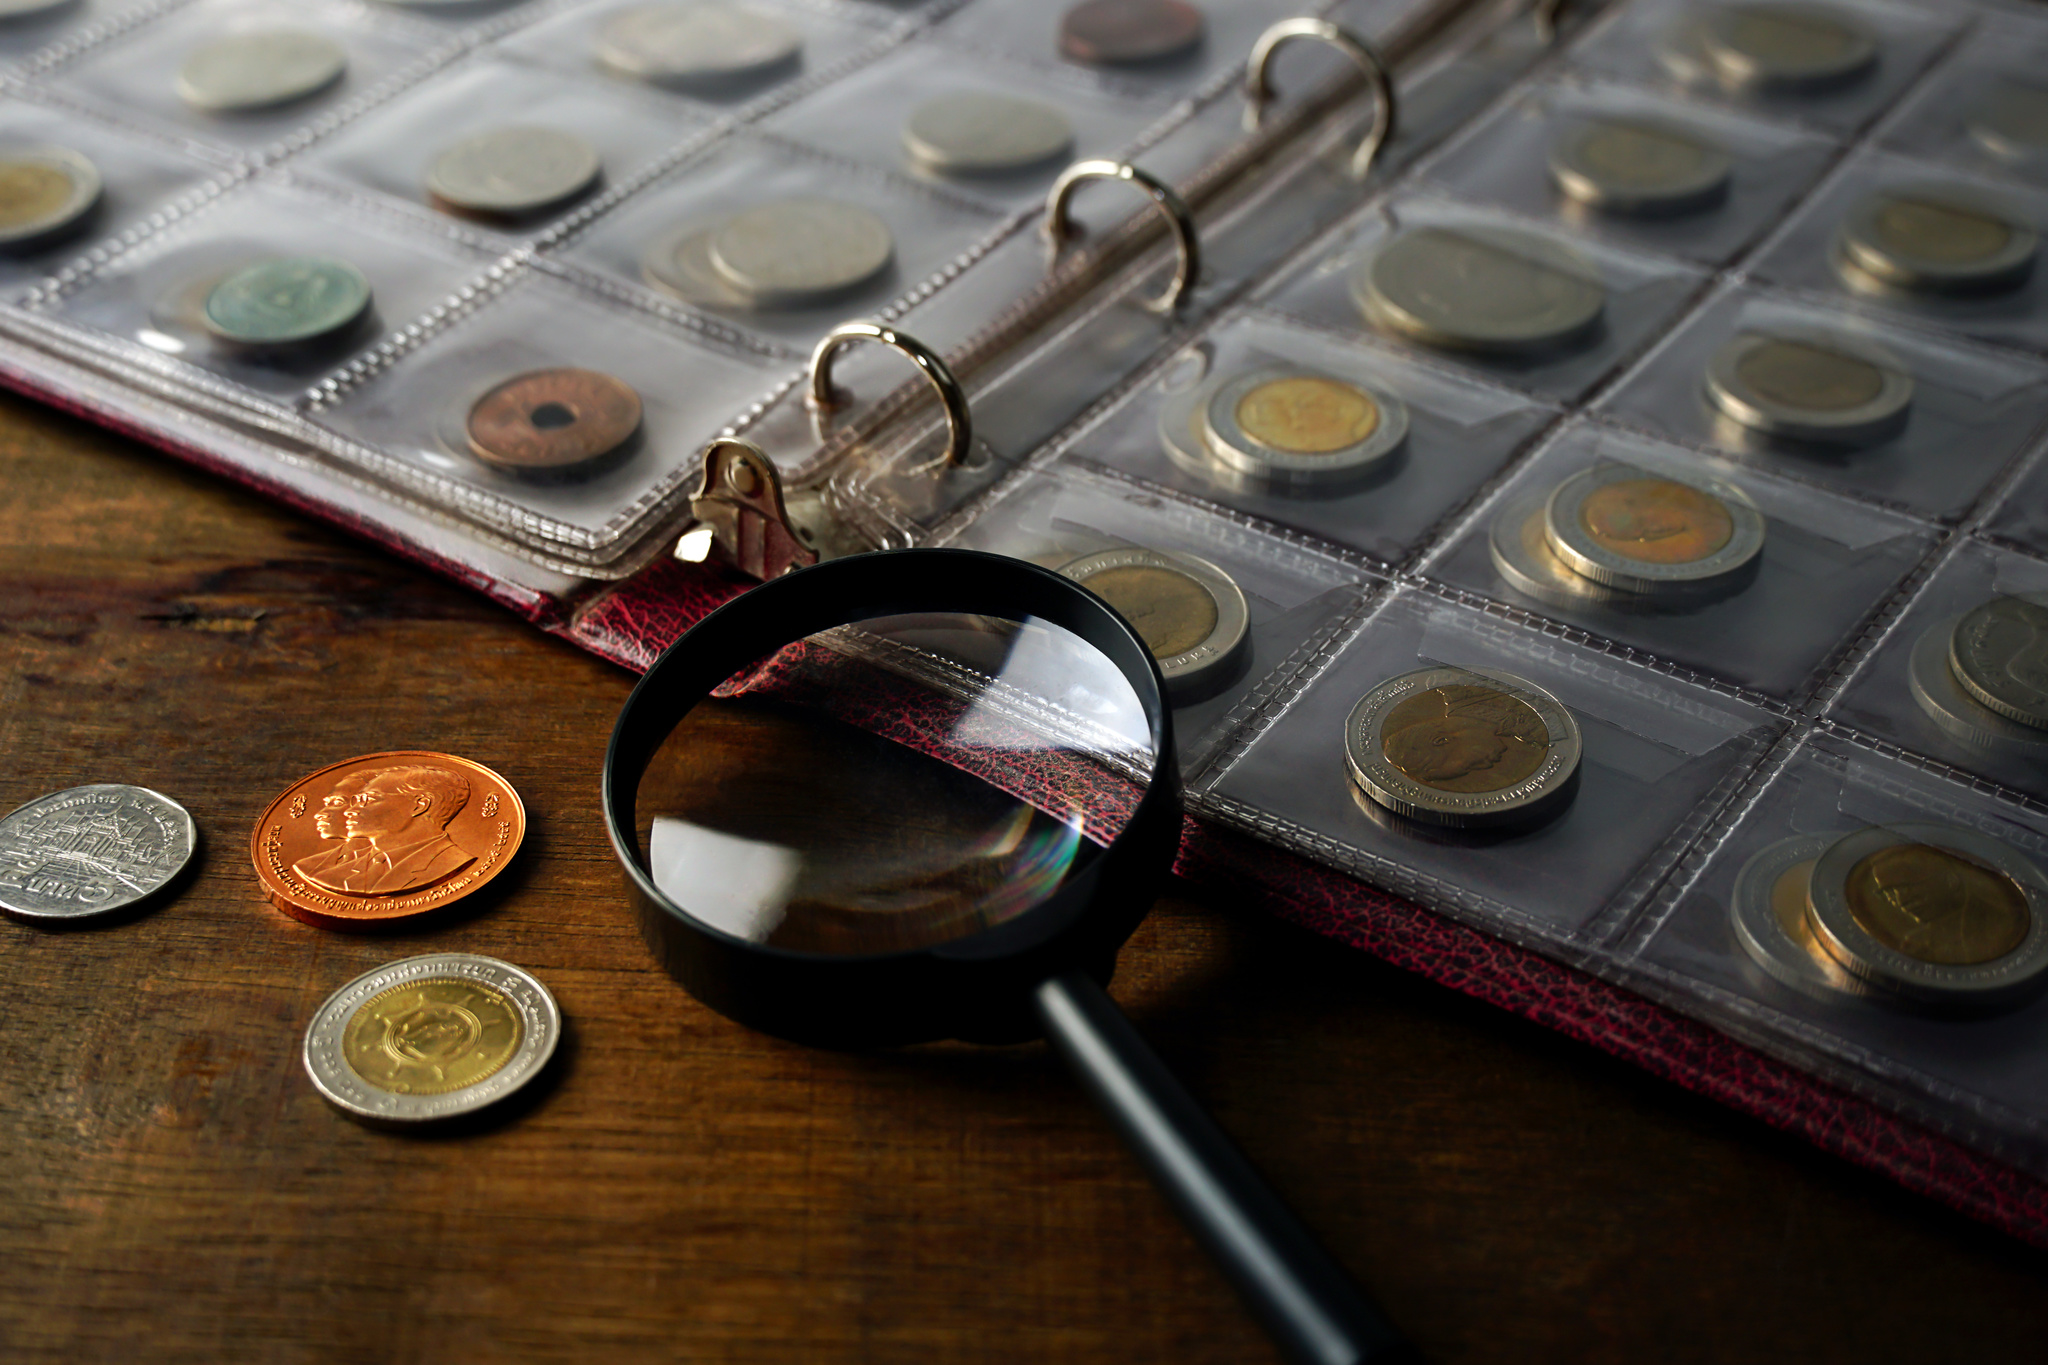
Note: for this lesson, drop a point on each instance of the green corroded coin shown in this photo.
(286, 300)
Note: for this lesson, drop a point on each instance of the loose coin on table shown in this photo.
(1130, 32)
(1937, 239)
(1295, 428)
(1999, 652)
(553, 424)
(431, 1037)
(91, 850)
(1936, 914)
(2011, 121)
(44, 191)
(1191, 614)
(1463, 747)
(260, 70)
(287, 301)
(1931, 675)
(1787, 48)
(1823, 389)
(1481, 289)
(1640, 168)
(513, 171)
(1769, 911)
(975, 132)
(697, 45)
(385, 837)
(1648, 533)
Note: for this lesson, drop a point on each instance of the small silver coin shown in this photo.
(1932, 680)
(1190, 613)
(91, 850)
(430, 1038)
(1787, 48)
(973, 132)
(44, 192)
(696, 45)
(1928, 901)
(1999, 652)
(260, 70)
(2011, 121)
(1640, 168)
(1826, 389)
(1938, 239)
(1649, 533)
(514, 171)
(1478, 288)
(1295, 428)
(1768, 911)
(287, 301)
(799, 251)
(1463, 747)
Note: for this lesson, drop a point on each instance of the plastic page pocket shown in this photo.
(1982, 109)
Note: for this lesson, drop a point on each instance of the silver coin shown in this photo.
(1296, 428)
(1768, 912)
(680, 264)
(1640, 167)
(1787, 48)
(1190, 613)
(44, 191)
(2011, 121)
(1645, 532)
(1999, 652)
(431, 1037)
(1463, 747)
(1932, 679)
(800, 251)
(1940, 239)
(696, 45)
(1481, 288)
(1815, 387)
(91, 851)
(512, 171)
(260, 70)
(973, 132)
(1959, 894)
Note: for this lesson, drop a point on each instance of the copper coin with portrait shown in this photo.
(385, 837)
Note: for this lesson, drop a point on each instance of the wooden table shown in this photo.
(174, 1190)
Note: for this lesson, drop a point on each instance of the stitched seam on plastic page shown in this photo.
(1982, 786)
(1882, 621)
(465, 301)
(115, 119)
(66, 50)
(397, 83)
(78, 269)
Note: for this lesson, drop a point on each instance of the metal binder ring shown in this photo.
(1258, 94)
(1546, 13)
(1182, 222)
(959, 430)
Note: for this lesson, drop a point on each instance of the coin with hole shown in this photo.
(554, 423)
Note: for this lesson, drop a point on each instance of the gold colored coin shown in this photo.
(1464, 738)
(1801, 376)
(1656, 521)
(431, 1037)
(1937, 906)
(1789, 904)
(31, 192)
(1635, 157)
(1308, 415)
(1790, 39)
(1949, 233)
(1172, 612)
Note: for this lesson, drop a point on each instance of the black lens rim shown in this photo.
(977, 987)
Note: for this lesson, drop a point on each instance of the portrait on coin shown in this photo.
(1464, 739)
(394, 830)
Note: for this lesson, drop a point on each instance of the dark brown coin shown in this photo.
(553, 422)
(1123, 32)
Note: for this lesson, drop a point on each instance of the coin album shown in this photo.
(1759, 274)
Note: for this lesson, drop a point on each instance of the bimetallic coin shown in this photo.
(1823, 389)
(1939, 239)
(2000, 655)
(1787, 48)
(385, 837)
(430, 1038)
(2011, 121)
(513, 171)
(1770, 916)
(1932, 679)
(1191, 614)
(553, 423)
(1943, 916)
(43, 192)
(1130, 32)
(973, 132)
(1645, 532)
(260, 70)
(1292, 427)
(696, 45)
(287, 301)
(1463, 747)
(1481, 289)
(799, 251)
(1521, 552)
(91, 851)
(1635, 167)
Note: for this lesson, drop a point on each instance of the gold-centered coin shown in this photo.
(1827, 389)
(553, 422)
(1656, 521)
(1787, 47)
(1641, 168)
(1308, 415)
(1799, 375)
(431, 1037)
(1939, 238)
(1173, 612)
(1937, 906)
(1464, 738)
(1190, 613)
(1788, 907)
(43, 191)
(1940, 232)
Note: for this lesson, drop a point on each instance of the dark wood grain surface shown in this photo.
(174, 1190)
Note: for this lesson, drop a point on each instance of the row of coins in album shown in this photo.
(1982, 676)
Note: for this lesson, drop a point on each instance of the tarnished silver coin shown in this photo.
(2000, 655)
(697, 45)
(1932, 679)
(797, 251)
(1938, 239)
(1649, 533)
(976, 132)
(260, 70)
(1769, 913)
(1783, 47)
(1640, 167)
(287, 301)
(1833, 390)
(1296, 428)
(1481, 288)
(513, 171)
(1463, 747)
(91, 851)
(2010, 121)
(44, 192)
(1191, 614)
(430, 1038)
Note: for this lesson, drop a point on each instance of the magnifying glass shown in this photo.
(971, 801)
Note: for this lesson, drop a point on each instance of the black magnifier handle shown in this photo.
(1316, 1313)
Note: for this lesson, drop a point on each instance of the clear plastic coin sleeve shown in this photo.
(1966, 114)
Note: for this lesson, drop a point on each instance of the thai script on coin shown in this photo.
(1999, 651)
(1640, 167)
(260, 70)
(980, 132)
(2010, 120)
(1646, 532)
(1769, 911)
(1786, 48)
(287, 301)
(44, 191)
(513, 171)
(699, 45)
(553, 423)
(91, 850)
(1190, 613)
(1810, 386)
(1481, 288)
(1942, 239)
(1130, 32)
